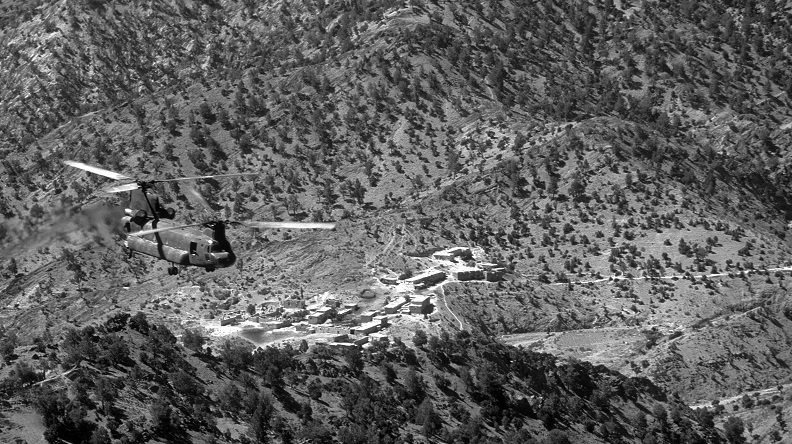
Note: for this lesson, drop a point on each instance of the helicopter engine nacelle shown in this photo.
(135, 214)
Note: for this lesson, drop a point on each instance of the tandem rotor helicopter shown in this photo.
(201, 244)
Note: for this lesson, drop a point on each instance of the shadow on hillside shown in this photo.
(286, 399)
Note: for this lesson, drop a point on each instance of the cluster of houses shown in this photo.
(461, 272)
(329, 317)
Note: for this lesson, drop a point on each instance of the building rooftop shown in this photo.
(420, 300)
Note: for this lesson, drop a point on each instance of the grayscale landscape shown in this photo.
(443, 222)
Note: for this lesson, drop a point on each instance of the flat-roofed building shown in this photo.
(378, 337)
(495, 274)
(369, 327)
(293, 303)
(368, 316)
(468, 274)
(394, 306)
(451, 253)
(230, 318)
(419, 304)
(344, 313)
(321, 315)
(278, 323)
(389, 280)
(426, 278)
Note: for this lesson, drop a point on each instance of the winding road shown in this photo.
(673, 276)
(442, 290)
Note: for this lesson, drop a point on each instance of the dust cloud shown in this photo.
(97, 222)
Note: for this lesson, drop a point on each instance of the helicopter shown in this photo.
(150, 229)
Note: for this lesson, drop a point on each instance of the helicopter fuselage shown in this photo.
(207, 248)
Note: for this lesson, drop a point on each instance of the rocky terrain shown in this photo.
(627, 163)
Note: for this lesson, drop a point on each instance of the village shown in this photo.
(355, 323)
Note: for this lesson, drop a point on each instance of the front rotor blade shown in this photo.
(158, 230)
(205, 177)
(121, 188)
(96, 170)
(290, 225)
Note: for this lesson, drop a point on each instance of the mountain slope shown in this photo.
(571, 142)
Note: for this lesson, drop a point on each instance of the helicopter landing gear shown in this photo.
(173, 271)
(210, 269)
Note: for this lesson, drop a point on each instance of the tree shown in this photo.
(161, 416)
(107, 393)
(139, 323)
(577, 189)
(734, 429)
(237, 354)
(557, 437)
(185, 384)
(358, 191)
(420, 338)
(661, 415)
(414, 385)
(12, 266)
(306, 412)
(552, 186)
(8, 342)
(426, 416)
(317, 433)
(354, 360)
(100, 436)
(388, 371)
(193, 340)
(638, 421)
(36, 212)
(74, 265)
(315, 389)
(521, 436)
(293, 205)
(260, 420)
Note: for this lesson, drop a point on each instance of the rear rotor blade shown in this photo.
(169, 228)
(121, 188)
(97, 170)
(249, 224)
(205, 177)
(290, 225)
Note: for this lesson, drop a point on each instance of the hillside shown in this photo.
(449, 388)
(607, 154)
